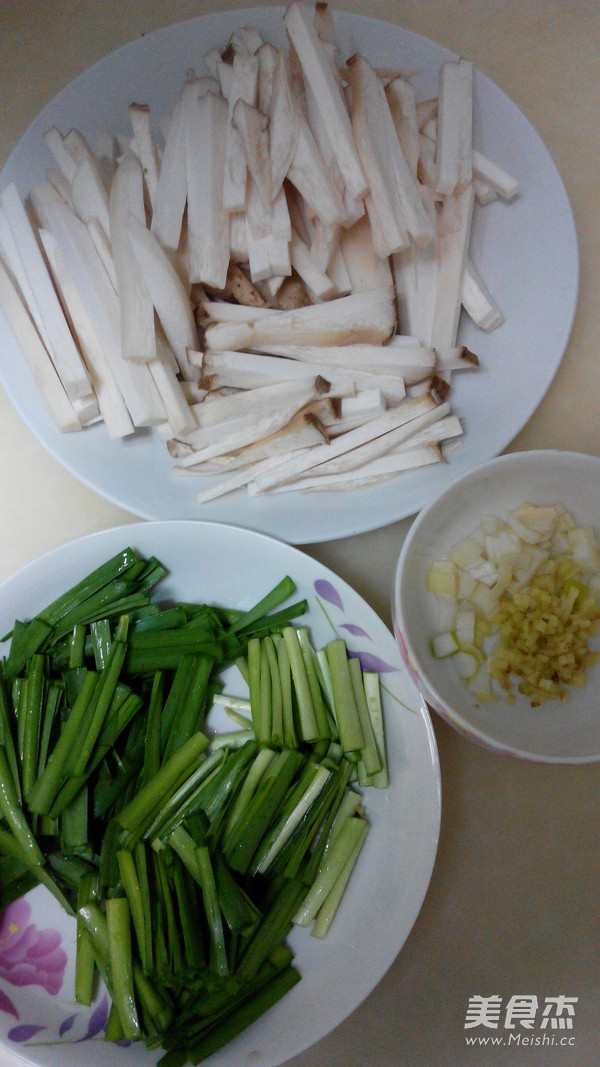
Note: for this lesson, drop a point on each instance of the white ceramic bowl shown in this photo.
(556, 732)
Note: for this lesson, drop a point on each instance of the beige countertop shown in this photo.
(513, 904)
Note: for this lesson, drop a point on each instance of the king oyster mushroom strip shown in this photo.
(270, 277)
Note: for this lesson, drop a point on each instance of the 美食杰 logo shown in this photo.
(526, 1019)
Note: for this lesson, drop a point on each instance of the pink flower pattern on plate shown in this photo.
(29, 956)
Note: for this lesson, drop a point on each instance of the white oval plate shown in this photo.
(234, 567)
(531, 268)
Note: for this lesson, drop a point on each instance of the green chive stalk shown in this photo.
(185, 800)
(171, 927)
(152, 757)
(12, 813)
(30, 714)
(133, 892)
(100, 633)
(179, 688)
(188, 905)
(258, 768)
(192, 711)
(239, 911)
(373, 697)
(103, 695)
(232, 739)
(287, 700)
(114, 1030)
(276, 596)
(344, 704)
(85, 966)
(76, 646)
(306, 791)
(121, 964)
(369, 755)
(7, 735)
(96, 925)
(249, 831)
(140, 881)
(254, 683)
(43, 793)
(313, 830)
(135, 818)
(276, 711)
(307, 720)
(218, 950)
(328, 909)
(54, 700)
(13, 846)
(263, 734)
(33, 635)
(308, 655)
(237, 1021)
(330, 870)
(272, 929)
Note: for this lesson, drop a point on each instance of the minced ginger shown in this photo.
(531, 583)
(544, 629)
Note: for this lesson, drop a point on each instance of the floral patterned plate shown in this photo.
(235, 567)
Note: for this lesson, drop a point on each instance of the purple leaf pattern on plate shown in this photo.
(98, 1020)
(7, 1005)
(67, 1024)
(356, 631)
(369, 662)
(29, 956)
(24, 1033)
(329, 593)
